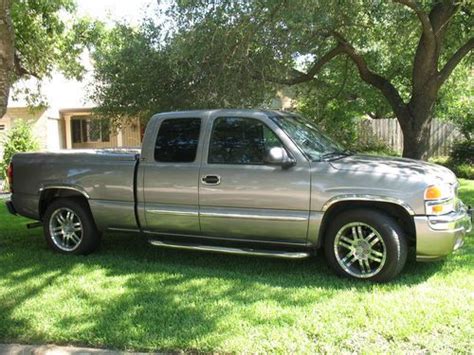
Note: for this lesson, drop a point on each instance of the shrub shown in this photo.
(465, 171)
(463, 152)
(373, 147)
(367, 142)
(19, 139)
(460, 160)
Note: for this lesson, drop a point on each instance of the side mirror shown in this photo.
(279, 156)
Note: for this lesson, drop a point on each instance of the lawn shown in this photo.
(132, 296)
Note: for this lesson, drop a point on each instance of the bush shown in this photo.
(19, 139)
(368, 143)
(465, 171)
(463, 152)
(374, 147)
(460, 160)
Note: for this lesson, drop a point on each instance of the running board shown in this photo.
(228, 250)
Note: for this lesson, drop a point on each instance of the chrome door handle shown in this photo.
(211, 179)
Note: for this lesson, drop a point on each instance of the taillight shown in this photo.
(10, 176)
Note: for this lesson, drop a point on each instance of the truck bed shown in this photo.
(105, 175)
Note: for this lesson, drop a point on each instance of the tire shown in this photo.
(69, 227)
(378, 256)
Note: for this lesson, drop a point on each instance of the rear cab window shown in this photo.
(177, 140)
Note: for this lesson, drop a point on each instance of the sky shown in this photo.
(60, 92)
(109, 10)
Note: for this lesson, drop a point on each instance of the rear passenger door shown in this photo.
(170, 177)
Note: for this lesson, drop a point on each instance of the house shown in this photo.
(71, 128)
(68, 122)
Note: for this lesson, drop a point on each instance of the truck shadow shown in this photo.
(145, 298)
(312, 271)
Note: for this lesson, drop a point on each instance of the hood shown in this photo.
(394, 166)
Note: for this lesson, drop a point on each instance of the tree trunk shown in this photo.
(7, 54)
(416, 136)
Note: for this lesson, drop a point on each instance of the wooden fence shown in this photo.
(388, 131)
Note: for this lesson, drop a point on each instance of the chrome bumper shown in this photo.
(438, 236)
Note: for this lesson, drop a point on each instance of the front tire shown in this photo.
(69, 227)
(366, 244)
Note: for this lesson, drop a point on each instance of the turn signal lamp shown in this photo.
(437, 192)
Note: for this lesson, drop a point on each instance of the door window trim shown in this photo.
(211, 133)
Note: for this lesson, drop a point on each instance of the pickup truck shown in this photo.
(251, 182)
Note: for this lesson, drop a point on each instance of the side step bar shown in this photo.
(229, 250)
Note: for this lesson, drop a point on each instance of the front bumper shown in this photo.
(438, 236)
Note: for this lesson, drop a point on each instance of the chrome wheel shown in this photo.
(65, 229)
(360, 250)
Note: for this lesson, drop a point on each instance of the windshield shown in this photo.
(307, 137)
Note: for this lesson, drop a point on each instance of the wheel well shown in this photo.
(397, 212)
(49, 195)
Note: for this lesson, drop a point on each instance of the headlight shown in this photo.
(440, 199)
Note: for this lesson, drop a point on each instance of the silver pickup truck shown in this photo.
(245, 182)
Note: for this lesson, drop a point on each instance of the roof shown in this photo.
(189, 113)
(76, 110)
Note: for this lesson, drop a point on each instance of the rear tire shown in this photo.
(366, 244)
(69, 227)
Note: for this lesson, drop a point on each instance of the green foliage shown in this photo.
(463, 152)
(274, 38)
(460, 160)
(48, 36)
(456, 101)
(465, 171)
(19, 139)
(231, 54)
(462, 170)
(137, 74)
(374, 147)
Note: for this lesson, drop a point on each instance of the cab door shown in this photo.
(171, 177)
(240, 196)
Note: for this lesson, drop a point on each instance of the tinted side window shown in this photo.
(177, 140)
(236, 140)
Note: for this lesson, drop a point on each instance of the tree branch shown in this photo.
(424, 63)
(385, 86)
(423, 17)
(454, 61)
(302, 77)
(20, 69)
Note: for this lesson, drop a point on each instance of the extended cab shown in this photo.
(247, 182)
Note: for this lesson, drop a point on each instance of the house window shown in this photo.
(2, 127)
(86, 129)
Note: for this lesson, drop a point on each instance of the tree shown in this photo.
(6, 53)
(344, 58)
(36, 36)
(138, 72)
(19, 139)
(404, 49)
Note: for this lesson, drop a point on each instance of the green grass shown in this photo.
(132, 296)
